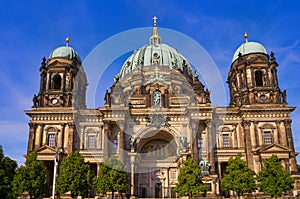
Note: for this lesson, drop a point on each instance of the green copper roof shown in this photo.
(247, 48)
(65, 52)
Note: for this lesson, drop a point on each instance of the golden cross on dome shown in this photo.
(154, 20)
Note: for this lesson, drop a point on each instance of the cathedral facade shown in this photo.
(157, 113)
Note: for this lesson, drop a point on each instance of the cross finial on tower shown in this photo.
(155, 38)
(154, 20)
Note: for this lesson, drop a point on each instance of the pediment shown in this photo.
(46, 150)
(274, 148)
(259, 58)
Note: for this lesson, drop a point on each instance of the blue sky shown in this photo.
(30, 30)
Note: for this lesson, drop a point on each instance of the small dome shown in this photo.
(65, 52)
(248, 48)
(160, 54)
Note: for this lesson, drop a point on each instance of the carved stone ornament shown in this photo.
(158, 121)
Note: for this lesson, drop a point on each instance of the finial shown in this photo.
(154, 20)
(246, 36)
(68, 41)
(155, 38)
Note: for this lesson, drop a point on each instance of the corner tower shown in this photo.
(252, 77)
(62, 92)
(63, 82)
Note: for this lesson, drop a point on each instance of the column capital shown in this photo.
(71, 125)
(246, 124)
(32, 125)
(287, 122)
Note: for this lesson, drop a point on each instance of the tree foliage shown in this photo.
(31, 177)
(112, 177)
(189, 179)
(74, 176)
(240, 178)
(7, 172)
(273, 180)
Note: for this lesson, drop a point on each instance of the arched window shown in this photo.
(258, 78)
(57, 82)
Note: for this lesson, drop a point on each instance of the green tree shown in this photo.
(240, 178)
(74, 175)
(112, 177)
(189, 180)
(298, 166)
(273, 180)
(7, 172)
(31, 177)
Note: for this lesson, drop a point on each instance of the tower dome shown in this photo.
(157, 54)
(65, 52)
(248, 48)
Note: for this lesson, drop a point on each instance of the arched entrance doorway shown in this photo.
(157, 167)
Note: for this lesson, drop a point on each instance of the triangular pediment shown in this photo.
(258, 58)
(46, 150)
(273, 148)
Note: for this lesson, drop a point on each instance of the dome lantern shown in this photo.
(155, 38)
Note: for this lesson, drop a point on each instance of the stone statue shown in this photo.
(107, 98)
(156, 98)
(183, 141)
(284, 96)
(35, 101)
(132, 141)
(204, 166)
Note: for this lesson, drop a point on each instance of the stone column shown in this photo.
(38, 136)
(234, 136)
(279, 132)
(82, 139)
(121, 142)
(248, 147)
(60, 136)
(193, 140)
(293, 164)
(252, 135)
(240, 136)
(210, 143)
(48, 81)
(31, 137)
(105, 139)
(70, 138)
(132, 173)
(284, 140)
(98, 169)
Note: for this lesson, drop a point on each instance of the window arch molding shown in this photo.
(267, 133)
(51, 136)
(225, 137)
(91, 136)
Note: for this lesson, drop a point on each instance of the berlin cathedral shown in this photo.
(157, 113)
